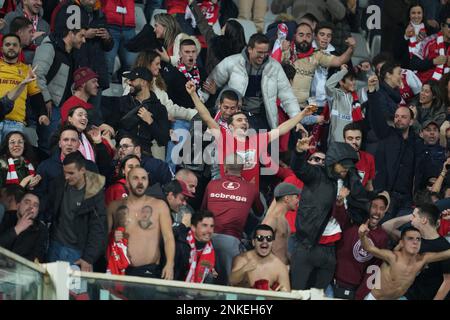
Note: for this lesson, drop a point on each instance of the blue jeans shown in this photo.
(45, 132)
(226, 247)
(59, 252)
(178, 124)
(7, 126)
(120, 36)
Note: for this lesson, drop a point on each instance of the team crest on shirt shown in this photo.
(229, 185)
(360, 254)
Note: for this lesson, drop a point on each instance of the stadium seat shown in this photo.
(249, 28)
(114, 90)
(362, 51)
(375, 48)
(152, 20)
(140, 18)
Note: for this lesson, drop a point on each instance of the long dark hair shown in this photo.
(145, 59)
(436, 92)
(28, 152)
(235, 32)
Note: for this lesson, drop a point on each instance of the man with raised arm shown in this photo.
(400, 266)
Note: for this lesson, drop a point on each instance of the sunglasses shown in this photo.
(317, 159)
(261, 238)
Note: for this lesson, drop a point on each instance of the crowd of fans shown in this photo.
(275, 161)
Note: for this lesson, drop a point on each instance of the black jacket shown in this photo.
(386, 100)
(30, 244)
(92, 53)
(127, 121)
(395, 156)
(90, 218)
(176, 84)
(50, 170)
(430, 160)
(319, 192)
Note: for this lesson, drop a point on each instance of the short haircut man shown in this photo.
(258, 38)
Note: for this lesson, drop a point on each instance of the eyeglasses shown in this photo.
(317, 159)
(261, 238)
(13, 142)
(125, 146)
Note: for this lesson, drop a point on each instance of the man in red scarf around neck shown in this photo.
(301, 54)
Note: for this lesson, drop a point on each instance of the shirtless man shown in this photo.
(286, 199)
(400, 266)
(147, 218)
(260, 268)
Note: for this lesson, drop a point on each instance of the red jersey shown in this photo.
(366, 167)
(230, 199)
(176, 6)
(116, 191)
(251, 150)
(411, 86)
(73, 101)
(430, 51)
(352, 259)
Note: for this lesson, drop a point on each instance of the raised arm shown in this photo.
(338, 61)
(430, 257)
(202, 110)
(385, 255)
(391, 226)
(286, 126)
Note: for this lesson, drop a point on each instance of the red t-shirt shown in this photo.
(230, 199)
(292, 215)
(73, 101)
(251, 151)
(352, 259)
(366, 167)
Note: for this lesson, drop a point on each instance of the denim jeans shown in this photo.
(120, 36)
(150, 6)
(7, 126)
(59, 252)
(226, 247)
(178, 124)
(45, 133)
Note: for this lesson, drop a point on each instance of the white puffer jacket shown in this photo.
(232, 71)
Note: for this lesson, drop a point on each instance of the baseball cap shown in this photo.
(139, 72)
(285, 189)
(185, 190)
(428, 122)
(385, 197)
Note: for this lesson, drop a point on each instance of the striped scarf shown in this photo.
(442, 68)
(413, 42)
(299, 55)
(357, 114)
(11, 176)
(199, 264)
(86, 148)
(193, 76)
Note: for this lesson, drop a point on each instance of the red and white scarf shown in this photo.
(199, 264)
(277, 52)
(299, 55)
(86, 148)
(193, 75)
(11, 176)
(418, 29)
(357, 114)
(442, 68)
(117, 254)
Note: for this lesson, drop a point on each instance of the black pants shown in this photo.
(312, 268)
(141, 292)
(146, 271)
